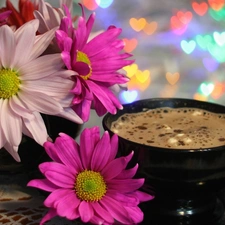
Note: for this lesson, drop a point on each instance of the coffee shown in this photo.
(178, 128)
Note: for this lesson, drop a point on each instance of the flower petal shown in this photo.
(81, 68)
(40, 102)
(109, 65)
(114, 168)
(59, 89)
(136, 214)
(36, 128)
(19, 108)
(117, 211)
(53, 15)
(69, 114)
(114, 142)
(56, 196)
(7, 46)
(58, 174)
(32, 23)
(101, 153)
(40, 67)
(43, 184)
(143, 197)
(2, 136)
(13, 151)
(102, 212)
(52, 151)
(43, 27)
(125, 186)
(41, 43)
(98, 43)
(83, 108)
(88, 140)
(98, 220)
(68, 152)
(11, 125)
(128, 174)
(51, 213)
(25, 42)
(104, 99)
(128, 200)
(68, 206)
(86, 211)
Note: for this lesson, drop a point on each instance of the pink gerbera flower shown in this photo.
(30, 84)
(86, 181)
(20, 14)
(97, 63)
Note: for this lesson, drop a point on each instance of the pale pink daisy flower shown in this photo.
(97, 61)
(30, 85)
(49, 16)
(86, 181)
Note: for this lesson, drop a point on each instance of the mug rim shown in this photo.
(162, 149)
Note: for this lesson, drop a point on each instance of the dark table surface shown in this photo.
(20, 205)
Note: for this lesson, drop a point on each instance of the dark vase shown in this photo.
(31, 153)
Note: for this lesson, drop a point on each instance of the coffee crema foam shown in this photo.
(178, 128)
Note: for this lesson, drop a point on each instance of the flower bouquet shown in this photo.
(51, 64)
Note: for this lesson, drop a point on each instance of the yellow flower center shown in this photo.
(82, 57)
(9, 83)
(90, 186)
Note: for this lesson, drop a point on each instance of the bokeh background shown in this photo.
(178, 46)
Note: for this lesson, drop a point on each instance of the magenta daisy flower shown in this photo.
(97, 62)
(86, 181)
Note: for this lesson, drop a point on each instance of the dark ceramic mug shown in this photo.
(186, 182)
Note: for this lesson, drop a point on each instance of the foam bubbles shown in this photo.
(181, 128)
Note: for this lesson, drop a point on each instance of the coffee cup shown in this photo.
(185, 177)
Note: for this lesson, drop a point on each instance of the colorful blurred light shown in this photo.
(209, 45)
(150, 28)
(188, 46)
(218, 52)
(217, 15)
(219, 38)
(218, 91)
(131, 70)
(210, 64)
(216, 4)
(104, 3)
(130, 44)
(90, 4)
(137, 24)
(206, 88)
(129, 96)
(200, 97)
(200, 8)
(172, 78)
(203, 40)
